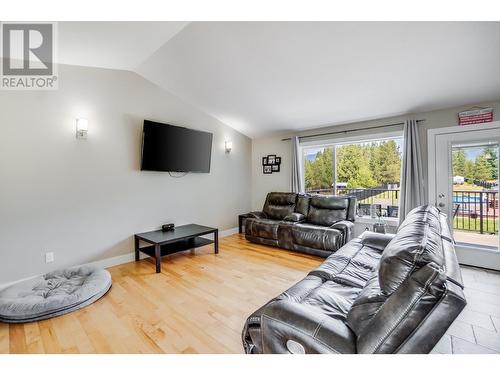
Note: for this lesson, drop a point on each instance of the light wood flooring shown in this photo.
(197, 304)
(200, 301)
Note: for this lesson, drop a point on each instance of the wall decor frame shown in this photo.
(271, 164)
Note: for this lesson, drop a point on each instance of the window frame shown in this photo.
(334, 142)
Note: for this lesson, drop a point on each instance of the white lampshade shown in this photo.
(229, 146)
(82, 128)
(82, 124)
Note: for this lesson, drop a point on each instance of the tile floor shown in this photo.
(467, 237)
(477, 329)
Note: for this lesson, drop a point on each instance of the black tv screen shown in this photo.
(171, 148)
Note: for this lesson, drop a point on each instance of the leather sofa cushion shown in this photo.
(325, 296)
(327, 209)
(264, 228)
(366, 305)
(300, 290)
(332, 299)
(295, 217)
(279, 205)
(315, 237)
(302, 206)
(352, 265)
(417, 243)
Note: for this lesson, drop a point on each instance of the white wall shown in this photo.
(262, 184)
(277, 181)
(84, 200)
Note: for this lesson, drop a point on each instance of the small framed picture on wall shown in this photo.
(271, 164)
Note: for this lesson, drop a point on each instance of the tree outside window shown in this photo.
(369, 170)
(358, 165)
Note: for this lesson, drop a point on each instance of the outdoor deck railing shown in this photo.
(475, 211)
(365, 195)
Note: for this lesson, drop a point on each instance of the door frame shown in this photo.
(466, 254)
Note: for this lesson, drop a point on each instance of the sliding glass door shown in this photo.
(466, 179)
(474, 180)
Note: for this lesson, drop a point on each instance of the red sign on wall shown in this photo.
(475, 116)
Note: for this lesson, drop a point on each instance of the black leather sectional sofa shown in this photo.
(312, 224)
(377, 294)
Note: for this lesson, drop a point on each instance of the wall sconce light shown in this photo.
(228, 146)
(82, 128)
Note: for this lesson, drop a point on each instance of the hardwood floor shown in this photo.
(197, 304)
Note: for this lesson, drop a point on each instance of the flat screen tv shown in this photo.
(169, 148)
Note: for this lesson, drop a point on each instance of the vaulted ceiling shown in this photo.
(113, 45)
(262, 77)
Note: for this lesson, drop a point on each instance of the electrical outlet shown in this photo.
(49, 257)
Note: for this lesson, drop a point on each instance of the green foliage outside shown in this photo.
(319, 172)
(483, 167)
(365, 165)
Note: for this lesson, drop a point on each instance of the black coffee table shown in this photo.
(182, 238)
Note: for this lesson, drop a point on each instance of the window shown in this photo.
(369, 170)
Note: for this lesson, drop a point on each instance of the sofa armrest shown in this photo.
(346, 228)
(295, 217)
(257, 215)
(290, 327)
(376, 240)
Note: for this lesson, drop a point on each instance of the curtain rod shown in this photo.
(349, 130)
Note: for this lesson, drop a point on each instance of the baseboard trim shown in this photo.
(117, 260)
(114, 261)
(228, 232)
(5, 285)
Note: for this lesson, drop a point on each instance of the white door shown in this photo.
(463, 182)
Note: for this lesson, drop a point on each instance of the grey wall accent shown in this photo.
(262, 184)
(83, 200)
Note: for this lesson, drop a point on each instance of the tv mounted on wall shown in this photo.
(169, 148)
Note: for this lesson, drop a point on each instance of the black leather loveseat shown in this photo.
(377, 294)
(312, 224)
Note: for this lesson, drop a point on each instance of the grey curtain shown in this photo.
(297, 185)
(412, 177)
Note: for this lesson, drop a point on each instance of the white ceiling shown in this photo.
(262, 77)
(113, 45)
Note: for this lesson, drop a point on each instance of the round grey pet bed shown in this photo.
(53, 294)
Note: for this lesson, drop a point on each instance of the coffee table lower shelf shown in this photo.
(177, 246)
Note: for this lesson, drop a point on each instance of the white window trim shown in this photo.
(351, 139)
